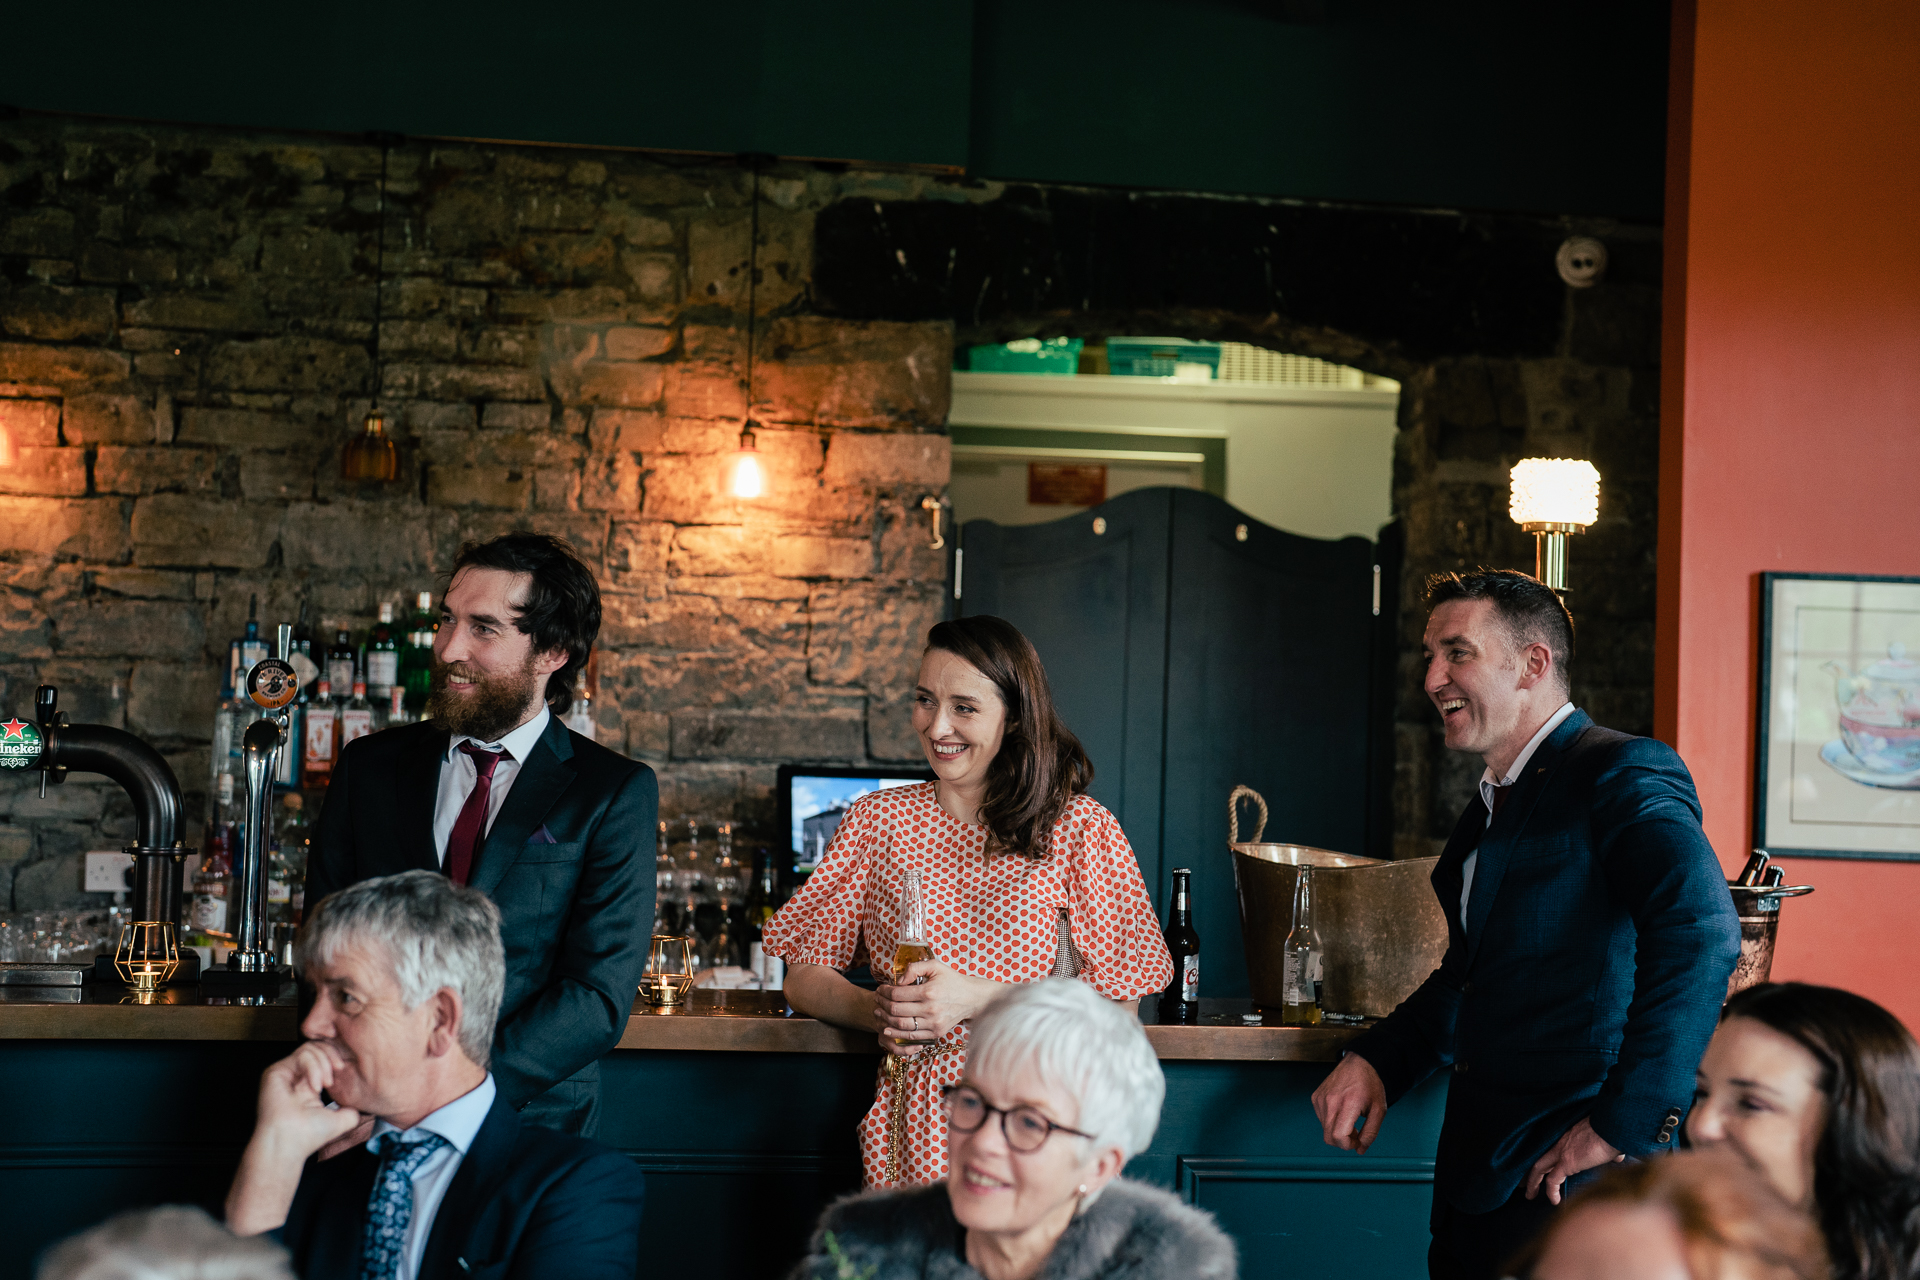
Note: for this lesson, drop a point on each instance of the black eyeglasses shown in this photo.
(1024, 1128)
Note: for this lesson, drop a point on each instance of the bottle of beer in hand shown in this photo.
(1300, 960)
(912, 946)
(1180, 1002)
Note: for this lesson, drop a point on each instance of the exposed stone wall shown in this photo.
(187, 340)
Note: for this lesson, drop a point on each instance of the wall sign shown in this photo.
(1052, 484)
(1839, 751)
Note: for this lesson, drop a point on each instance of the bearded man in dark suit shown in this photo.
(494, 791)
(1591, 935)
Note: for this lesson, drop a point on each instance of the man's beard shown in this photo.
(495, 704)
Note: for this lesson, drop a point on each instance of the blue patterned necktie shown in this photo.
(390, 1207)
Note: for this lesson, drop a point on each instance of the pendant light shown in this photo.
(744, 477)
(370, 455)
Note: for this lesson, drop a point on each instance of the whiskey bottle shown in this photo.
(340, 665)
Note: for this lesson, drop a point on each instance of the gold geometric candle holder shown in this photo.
(669, 974)
(148, 953)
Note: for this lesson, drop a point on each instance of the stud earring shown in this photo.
(1083, 1188)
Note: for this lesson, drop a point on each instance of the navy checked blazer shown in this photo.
(1588, 975)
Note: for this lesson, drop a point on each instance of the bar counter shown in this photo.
(717, 1021)
(740, 1111)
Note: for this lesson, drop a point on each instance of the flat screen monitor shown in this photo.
(814, 797)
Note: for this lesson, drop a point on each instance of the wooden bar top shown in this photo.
(712, 1021)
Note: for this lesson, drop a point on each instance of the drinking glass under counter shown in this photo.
(738, 1109)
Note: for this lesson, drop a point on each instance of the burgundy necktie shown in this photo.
(1500, 798)
(472, 824)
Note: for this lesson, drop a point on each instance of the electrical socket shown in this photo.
(110, 872)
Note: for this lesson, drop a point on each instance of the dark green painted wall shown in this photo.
(1488, 104)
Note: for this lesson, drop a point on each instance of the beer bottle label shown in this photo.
(1296, 982)
(1189, 978)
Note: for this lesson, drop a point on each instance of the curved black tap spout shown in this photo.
(144, 774)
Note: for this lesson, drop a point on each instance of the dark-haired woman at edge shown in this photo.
(1819, 1090)
(1025, 876)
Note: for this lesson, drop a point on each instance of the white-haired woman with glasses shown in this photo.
(1061, 1089)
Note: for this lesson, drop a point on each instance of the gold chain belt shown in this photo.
(896, 1072)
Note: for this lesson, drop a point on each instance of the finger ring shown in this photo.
(916, 1024)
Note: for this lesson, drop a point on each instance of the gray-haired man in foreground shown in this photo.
(407, 972)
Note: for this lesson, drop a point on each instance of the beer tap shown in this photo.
(271, 684)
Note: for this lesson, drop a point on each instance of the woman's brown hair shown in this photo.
(1866, 1166)
(1731, 1222)
(1041, 766)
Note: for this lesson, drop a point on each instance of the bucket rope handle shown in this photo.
(1233, 814)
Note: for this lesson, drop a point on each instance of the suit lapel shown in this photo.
(1497, 844)
(475, 1188)
(335, 1235)
(542, 779)
(1447, 877)
(418, 788)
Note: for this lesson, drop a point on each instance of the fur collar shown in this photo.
(1132, 1232)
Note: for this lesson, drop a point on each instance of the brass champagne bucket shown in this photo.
(1380, 928)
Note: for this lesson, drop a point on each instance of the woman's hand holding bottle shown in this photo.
(930, 999)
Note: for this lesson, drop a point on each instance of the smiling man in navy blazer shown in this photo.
(1591, 935)
(496, 792)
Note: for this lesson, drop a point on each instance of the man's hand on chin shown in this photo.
(1578, 1150)
(293, 1123)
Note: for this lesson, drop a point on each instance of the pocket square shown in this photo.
(542, 836)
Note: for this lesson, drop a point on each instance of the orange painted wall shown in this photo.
(1790, 401)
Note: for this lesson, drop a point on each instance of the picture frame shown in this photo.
(1837, 765)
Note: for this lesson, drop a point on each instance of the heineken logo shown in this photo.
(19, 744)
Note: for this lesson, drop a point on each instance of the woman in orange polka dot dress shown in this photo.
(1024, 876)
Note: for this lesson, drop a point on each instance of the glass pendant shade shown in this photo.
(746, 475)
(1561, 492)
(370, 455)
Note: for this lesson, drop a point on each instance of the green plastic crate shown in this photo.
(1055, 356)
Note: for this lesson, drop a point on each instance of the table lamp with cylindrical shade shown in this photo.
(1553, 497)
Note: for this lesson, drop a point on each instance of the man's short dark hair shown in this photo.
(1532, 611)
(563, 604)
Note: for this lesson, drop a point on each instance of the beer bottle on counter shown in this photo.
(1300, 960)
(1180, 1002)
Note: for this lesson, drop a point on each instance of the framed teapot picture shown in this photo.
(1839, 732)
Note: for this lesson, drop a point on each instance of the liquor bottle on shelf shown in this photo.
(287, 867)
(340, 665)
(1180, 1002)
(317, 763)
(301, 654)
(252, 647)
(383, 656)
(1300, 957)
(394, 713)
(416, 656)
(207, 902)
(356, 718)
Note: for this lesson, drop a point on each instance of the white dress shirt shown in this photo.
(458, 777)
(458, 1122)
(1488, 785)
